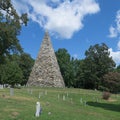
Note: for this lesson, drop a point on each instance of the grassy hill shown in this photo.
(78, 104)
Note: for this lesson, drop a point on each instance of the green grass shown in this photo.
(21, 106)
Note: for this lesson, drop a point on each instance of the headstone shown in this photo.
(81, 101)
(38, 109)
(46, 92)
(85, 103)
(1, 86)
(49, 113)
(67, 94)
(11, 91)
(58, 96)
(71, 100)
(46, 71)
(63, 97)
(39, 95)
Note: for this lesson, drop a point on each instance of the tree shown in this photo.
(66, 68)
(79, 77)
(10, 27)
(97, 63)
(23, 61)
(26, 64)
(11, 74)
(112, 81)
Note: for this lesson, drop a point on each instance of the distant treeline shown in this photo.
(96, 71)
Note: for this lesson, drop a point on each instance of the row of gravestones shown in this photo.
(64, 98)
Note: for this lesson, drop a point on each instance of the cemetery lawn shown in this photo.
(78, 104)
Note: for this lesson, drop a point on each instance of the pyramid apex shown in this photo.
(46, 33)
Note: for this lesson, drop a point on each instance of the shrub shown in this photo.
(111, 81)
(106, 95)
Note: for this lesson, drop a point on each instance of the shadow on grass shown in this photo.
(106, 106)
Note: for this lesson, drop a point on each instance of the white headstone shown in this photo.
(67, 94)
(81, 101)
(11, 91)
(71, 100)
(85, 103)
(58, 96)
(38, 109)
(1, 86)
(63, 97)
(46, 92)
(49, 113)
(39, 95)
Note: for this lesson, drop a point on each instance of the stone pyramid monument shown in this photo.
(46, 71)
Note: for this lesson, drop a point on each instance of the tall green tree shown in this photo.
(10, 27)
(26, 63)
(79, 70)
(97, 63)
(22, 62)
(66, 68)
(11, 74)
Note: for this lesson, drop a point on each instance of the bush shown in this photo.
(106, 95)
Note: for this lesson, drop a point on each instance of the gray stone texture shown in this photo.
(46, 72)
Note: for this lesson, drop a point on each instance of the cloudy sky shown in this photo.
(72, 24)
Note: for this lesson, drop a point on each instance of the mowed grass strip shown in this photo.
(79, 104)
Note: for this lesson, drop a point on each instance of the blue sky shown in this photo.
(72, 24)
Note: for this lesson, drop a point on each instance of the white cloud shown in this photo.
(115, 31)
(118, 45)
(118, 21)
(63, 18)
(115, 55)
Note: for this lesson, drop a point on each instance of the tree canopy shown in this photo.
(10, 27)
(66, 67)
(89, 72)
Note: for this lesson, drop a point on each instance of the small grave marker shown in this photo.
(1, 86)
(67, 94)
(39, 95)
(46, 92)
(81, 101)
(11, 91)
(58, 96)
(63, 97)
(71, 100)
(85, 103)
